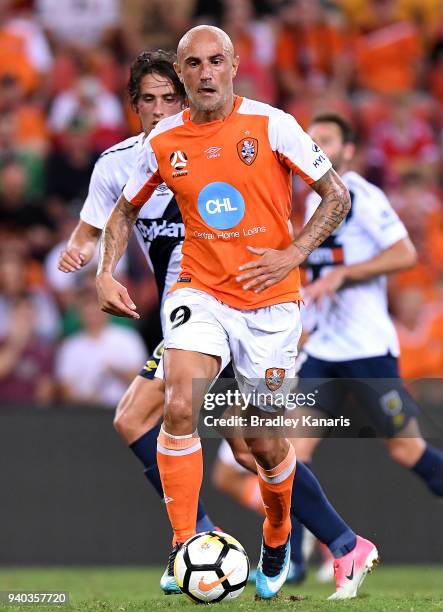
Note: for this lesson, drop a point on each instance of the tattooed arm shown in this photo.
(112, 296)
(333, 208)
(274, 265)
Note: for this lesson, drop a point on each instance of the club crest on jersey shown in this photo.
(179, 161)
(274, 378)
(247, 150)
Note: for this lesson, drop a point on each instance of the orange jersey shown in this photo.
(232, 182)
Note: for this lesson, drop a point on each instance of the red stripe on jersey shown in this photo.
(147, 190)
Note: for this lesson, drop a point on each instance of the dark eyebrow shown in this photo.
(197, 59)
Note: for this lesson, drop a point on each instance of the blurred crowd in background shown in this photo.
(63, 73)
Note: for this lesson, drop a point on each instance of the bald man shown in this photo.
(229, 162)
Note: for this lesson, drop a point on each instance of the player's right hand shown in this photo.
(71, 260)
(114, 297)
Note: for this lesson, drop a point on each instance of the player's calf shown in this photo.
(140, 408)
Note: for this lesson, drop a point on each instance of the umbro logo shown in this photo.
(167, 499)
(162, 189)
(213, 152)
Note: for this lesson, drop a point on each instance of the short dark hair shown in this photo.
(158, 61)
(346, 130)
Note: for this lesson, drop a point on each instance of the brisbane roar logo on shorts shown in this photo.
(274, 378)
(247, 150)
(179, 161)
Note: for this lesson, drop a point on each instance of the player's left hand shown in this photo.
(270, 268)
(327, 285)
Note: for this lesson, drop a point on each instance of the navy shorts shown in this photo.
(151, 365)
(369, 390)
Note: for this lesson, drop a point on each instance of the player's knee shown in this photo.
(304, 448)
(121, 420)
(178, 416)
(267, 452)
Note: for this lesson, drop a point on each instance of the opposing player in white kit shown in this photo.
(155, 92)
(353, 335)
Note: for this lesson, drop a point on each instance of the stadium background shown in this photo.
(71, 491)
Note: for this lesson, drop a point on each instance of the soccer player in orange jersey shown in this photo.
(229, 162)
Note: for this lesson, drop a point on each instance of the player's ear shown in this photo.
(235, 63)
(349, 151)
(178, 71)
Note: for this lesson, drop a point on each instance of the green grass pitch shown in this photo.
(389, 588)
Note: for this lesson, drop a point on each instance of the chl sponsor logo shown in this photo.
(151, 229)
(221, 205)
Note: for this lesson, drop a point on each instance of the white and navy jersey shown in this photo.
(159, 227)
(355, 324)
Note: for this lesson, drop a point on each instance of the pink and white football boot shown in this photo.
(351, 569)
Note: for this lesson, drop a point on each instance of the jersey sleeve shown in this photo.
(100, 199)
(296, 149)
(380, 220)
(145, 178)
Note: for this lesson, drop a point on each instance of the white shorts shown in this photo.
(261, 343)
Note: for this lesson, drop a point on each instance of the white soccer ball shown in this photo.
(211, 566)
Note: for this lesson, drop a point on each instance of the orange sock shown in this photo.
(276, 488)
(251, 496)
(180, 463)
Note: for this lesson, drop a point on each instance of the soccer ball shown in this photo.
(211, 566)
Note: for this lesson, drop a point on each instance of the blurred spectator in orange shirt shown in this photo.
(387, 57)
(402, 143)
(27, 118)
(420, 331)
(24, 51)
(417, 204)
(309, 48)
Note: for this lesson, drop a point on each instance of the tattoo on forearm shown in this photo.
(333, 208)
(115, 235)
